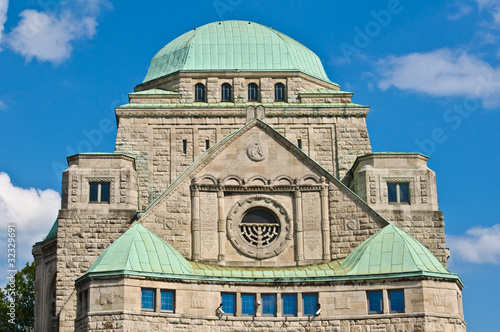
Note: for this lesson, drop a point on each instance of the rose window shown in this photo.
(259, 227)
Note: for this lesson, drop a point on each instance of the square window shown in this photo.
(99, 192)
(228, 303)
(167, 300)
(289, 304)
(398, 192)
(397, 301)
(147, 299)
(248, 304)
(310, 303)
(375, 305)
(269, 304)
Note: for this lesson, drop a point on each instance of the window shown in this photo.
(199, 92)
(259, 227)
(228, 303)
(375, 305)
(148, 299)
(253, 91)
(207, 144)
(279, 92)
(268, 304)
(226, 92)
(184, 146)
(99, 192)
(396, 301)
(299, 143)
(289, 304)
(248, 304)
(310, 302)
(167, 300)
(398, 192)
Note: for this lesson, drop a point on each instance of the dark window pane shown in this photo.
(94, 189)
(184, 146)
(269, 304)
(279, 92)
(147, 299)
(392, 192)
(247, 304)
(167, 300)
(404, 193)
(104, 192)
(299, 143)
(199, 92)
(252, 92)
(289, 304)
(226, 92)
(228, 303)
(396, 298)
(375, 302)
(207, 144)
(310, 303)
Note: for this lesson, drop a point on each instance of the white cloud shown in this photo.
(461, 10)
(477, 245)
(4, 5)
(2, 106)
(32, 211)
(442, 73)
(49, 35)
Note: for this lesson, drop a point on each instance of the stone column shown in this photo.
(299, 231)
(325, 222)
(221, 226)
(195, 224)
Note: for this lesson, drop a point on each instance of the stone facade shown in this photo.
(190, 172)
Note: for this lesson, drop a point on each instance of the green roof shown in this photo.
(390, 253)
(391, 250)
(155, 92)
(52, 233)
(235, 46)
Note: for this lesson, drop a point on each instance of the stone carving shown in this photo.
(342, 303)
(208, 218)
(439, 301)
(107, 298)
(197, 303)
(311, 220)
(256, 151)
(352, 224)
(259, 249)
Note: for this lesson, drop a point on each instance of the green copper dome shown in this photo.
(235, 46)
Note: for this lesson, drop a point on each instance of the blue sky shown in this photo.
(429, 70)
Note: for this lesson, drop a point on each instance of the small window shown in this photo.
(199, 92)
(398, 192)
(99, 192)
(310, 302)
(226, 92)
(248, 304)
(268, 304)
(375, 305)
(167, 300)
(396, 300)
(184, 146)
(299, 143)
(148, 299)
(279, 92)
(289, 304)
(207, 144)
(228, 303)
(253, 91)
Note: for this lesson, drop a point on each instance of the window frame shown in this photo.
(153, 291)
(99, 193)
(275, 305)
(200, 87)
(283, 92)
(253, 86)
(368, 302)
(398, 192)
(226, 92)
(167, 291)
(243, 305)
(393, 291)
(289, 295)
(306, 295)
(233, 295)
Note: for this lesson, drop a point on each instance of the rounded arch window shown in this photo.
(259, 227)
(279, 92)
(199, 92)
(226, 92)
(253, 92)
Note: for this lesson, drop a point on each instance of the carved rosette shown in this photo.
(256, 151)
(237, 238)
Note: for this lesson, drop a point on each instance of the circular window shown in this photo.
(259, 227)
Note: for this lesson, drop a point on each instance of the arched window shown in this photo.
(253, 91)
(225, 92)
(279, 92)
(199, 92)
